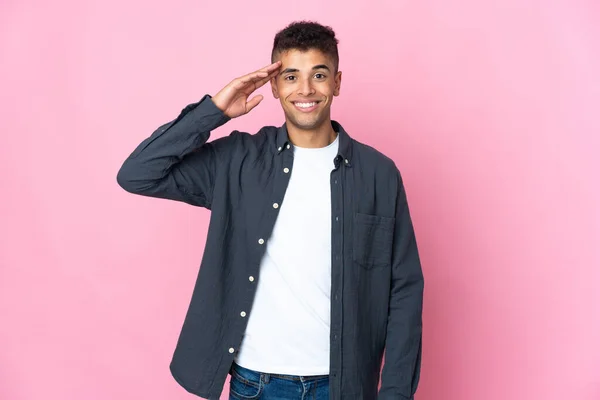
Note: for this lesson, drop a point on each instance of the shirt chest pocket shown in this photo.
(373, 238)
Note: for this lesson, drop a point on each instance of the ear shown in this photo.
(273, 82)
(338, 83)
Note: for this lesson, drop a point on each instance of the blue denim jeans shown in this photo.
(247, 384)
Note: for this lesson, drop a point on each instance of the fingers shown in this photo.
(261, 73)
(253, 102)
(271, 67)
(266, 79)
(253, 77)
(257, 79)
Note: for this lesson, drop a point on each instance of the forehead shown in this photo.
(299, 59)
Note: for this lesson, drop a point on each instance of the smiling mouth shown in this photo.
(306, 106)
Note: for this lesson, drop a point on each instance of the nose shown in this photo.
(306, 88)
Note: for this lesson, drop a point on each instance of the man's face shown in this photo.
(305, 86)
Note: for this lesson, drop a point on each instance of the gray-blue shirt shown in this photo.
(376, 280)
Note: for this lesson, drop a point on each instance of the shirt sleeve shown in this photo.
(176, 162)
(401, 370)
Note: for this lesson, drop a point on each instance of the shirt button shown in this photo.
(251, 278)
(286, 170)
(275, 205)
(261, 241)
(346, 161)
(288, 146)
(279, 149)
(231, 350)
(243, 314)
(337, 218)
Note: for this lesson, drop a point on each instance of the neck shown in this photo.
(321, 136)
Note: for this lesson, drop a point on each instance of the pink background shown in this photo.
(490, 108)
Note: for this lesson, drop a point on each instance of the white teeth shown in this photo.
(305, 105)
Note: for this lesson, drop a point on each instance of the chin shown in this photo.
(302, 123)
(306, 124)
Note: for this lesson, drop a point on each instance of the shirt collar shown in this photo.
(345, 148)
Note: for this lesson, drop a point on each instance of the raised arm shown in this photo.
(176, 161)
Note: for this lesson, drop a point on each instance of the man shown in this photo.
(311, 268)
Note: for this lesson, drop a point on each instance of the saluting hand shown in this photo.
(233, 98)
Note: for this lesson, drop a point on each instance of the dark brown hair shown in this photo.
(307, 35)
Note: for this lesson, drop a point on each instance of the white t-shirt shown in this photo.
(288, 326)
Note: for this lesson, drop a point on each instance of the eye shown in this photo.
(320, 76)
(287, 78)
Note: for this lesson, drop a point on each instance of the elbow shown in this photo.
(125, 179)
(133, 178)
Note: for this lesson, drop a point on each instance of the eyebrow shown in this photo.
(320, 66)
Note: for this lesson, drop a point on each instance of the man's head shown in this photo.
(309, 76)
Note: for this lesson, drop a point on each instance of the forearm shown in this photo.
(148, 169)
(401, 370)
